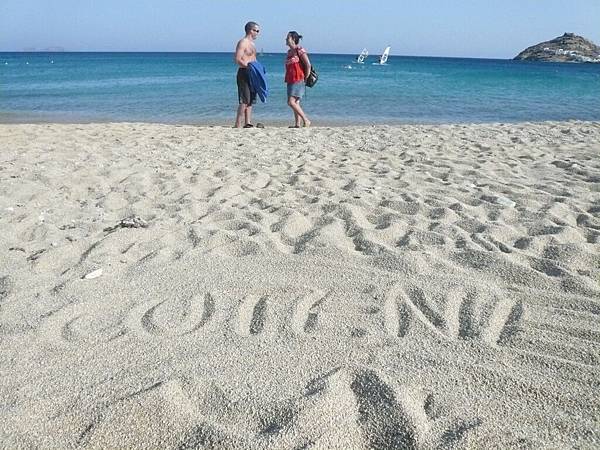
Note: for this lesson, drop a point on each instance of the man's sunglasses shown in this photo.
(258, 31)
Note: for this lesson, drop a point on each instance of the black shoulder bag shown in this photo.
(313, 77)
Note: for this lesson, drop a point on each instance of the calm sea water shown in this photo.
(200, 88)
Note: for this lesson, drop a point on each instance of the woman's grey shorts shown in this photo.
(296, 89)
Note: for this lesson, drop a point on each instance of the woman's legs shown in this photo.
(294, 103)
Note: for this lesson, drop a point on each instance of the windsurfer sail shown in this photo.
(384, 56)
(360, 59)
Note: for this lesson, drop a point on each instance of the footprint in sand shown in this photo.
(256, 180)
(344, 408)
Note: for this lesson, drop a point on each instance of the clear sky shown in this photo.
(465, 28)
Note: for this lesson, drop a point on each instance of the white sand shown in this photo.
(382, 287)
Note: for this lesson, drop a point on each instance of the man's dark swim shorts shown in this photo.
(243, 83)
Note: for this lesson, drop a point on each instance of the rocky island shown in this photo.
(566, 48)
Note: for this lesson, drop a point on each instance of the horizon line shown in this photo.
(230, 52)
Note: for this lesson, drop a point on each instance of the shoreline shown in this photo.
(279, 123)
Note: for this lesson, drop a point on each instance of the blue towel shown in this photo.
(257, 75)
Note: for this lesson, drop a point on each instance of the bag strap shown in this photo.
(298, 53)
(301, 62)
(303, 69)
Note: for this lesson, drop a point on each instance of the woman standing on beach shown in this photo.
(297, 68)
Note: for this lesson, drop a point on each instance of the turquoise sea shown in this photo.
(199, 88)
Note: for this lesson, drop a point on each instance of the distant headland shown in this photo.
(566, 48)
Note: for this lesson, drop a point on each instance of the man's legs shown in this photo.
(248, 114)
(240, 113)
(243, 112)
(246, 99)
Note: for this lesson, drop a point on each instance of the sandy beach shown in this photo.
(385, 287)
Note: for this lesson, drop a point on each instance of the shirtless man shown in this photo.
(245, 53)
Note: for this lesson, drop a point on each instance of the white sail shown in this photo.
(384, 57)
(363, 55)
